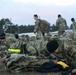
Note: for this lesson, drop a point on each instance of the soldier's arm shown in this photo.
(75, 25)
(36, 25)
(65, 22)
(57, 23)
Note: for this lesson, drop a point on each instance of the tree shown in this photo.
(53, 28)
(4, 23)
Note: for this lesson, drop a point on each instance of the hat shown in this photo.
(52, 46)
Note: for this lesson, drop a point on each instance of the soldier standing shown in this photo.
(61, 24)
(69, 50)
(37, 28)
(41, 27)
(74, 27)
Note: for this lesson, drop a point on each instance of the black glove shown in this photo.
(34, 32)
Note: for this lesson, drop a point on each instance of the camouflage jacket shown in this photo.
(61, 24)
(12, 42)
(37, 28)
(36, 46)
(69, 47)
(42, 25)
(22, 60)
(74, 25)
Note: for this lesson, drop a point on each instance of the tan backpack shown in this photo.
(44, 25)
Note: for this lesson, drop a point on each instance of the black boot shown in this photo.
(66, 72)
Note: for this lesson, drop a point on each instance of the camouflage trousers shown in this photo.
(40, 34)
(60, 33)
(74, 34)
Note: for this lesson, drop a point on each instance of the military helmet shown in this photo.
(52, 46)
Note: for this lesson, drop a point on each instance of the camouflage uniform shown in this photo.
(12, 42)
(61, 24)
(24, 39)
(74, 29)
(41, 26)
(74, 25)
(69, 51)
(19, 62)
(38, 29)
(3, 48)
(2, 45)
(36, 47)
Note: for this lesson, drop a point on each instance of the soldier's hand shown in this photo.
(55, 61)
(74, 71)
(34, 32)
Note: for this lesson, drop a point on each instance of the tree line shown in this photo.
(6, 23)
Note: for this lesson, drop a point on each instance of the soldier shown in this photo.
(16, 36)
(2, 39)
(13, 43)
(3, 47)
(40, 27)
(37, 28)
(61, 24)
(54, 64)
(74, 27)
(74, 23)
(69, 51)
(36, 47)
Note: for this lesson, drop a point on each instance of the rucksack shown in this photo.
(44, 25)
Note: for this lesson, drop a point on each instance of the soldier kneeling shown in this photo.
(54, 65)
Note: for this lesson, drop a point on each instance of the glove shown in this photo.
(34, 31)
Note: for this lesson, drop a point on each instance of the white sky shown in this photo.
(47, 2)
(22, 11)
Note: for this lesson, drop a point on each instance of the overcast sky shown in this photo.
(22, 11)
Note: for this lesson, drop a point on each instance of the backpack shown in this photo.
(44, 25)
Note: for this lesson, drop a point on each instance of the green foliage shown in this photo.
(3, 22)
(53, 28)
